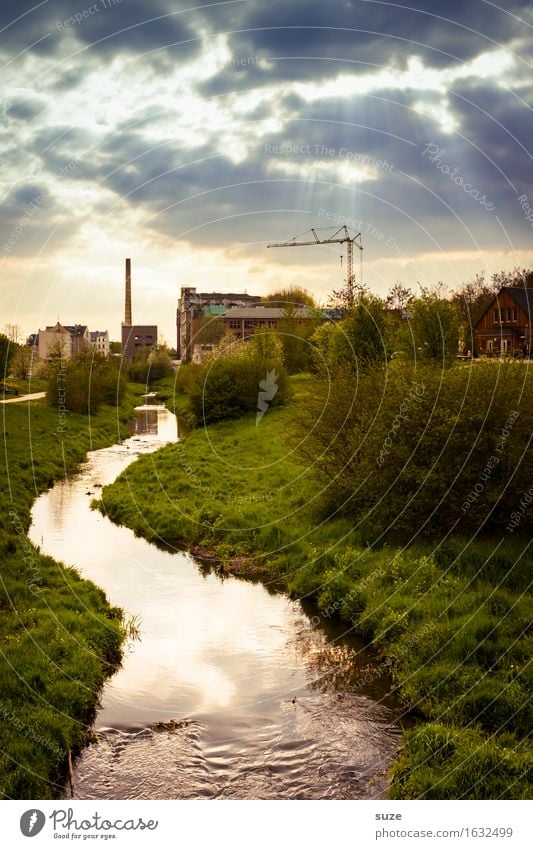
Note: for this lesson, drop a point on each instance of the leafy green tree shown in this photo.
(84, 383)
(150, 366)
(22, 361)
(470, 300)
(290, 295)
(434, 325)
(7, 351)
(208, 330)
(398, 299)
(358, 341)
(235, 382)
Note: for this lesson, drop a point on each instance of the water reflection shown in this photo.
(145, 421)
(274, 707)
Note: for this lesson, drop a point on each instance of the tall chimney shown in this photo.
(127, 312)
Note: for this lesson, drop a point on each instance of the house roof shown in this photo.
(521, 295)
(265, 313)
(56, 328)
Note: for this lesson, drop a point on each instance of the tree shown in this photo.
(13, 333)
(208, 330)
(295, 336)
(470, 300)
(82, 384)
(290, 295)
(150, 366)
(516, 277)
(357, 341)
(22, 362)
(435, 327)
(398, 299)
(233, 382)
(7, 350)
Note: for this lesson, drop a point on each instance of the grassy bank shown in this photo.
(452, 619)
(59, 638)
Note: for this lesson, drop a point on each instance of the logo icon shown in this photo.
(268, 389)
(32, 822)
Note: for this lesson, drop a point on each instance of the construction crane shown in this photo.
(339, 237)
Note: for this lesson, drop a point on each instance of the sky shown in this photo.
(188, 136)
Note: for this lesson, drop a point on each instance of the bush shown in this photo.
(243, 376)
(148, 367)
(82, 384)
(413, 450)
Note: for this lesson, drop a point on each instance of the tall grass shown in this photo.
(59, 638)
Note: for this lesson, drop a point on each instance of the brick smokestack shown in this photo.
(127, 311)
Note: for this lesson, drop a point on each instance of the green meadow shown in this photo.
(59, 638)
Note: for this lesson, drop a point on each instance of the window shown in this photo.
(515, 314)
(235, 325)
(495, 316)
(509, 313)
(502, 314)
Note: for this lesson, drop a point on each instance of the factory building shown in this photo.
(135, 337)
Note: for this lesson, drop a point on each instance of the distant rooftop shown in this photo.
(267, 313)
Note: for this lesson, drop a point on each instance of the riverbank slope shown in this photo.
(59, 637)
(451, 620)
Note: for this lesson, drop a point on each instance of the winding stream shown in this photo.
(231, 692)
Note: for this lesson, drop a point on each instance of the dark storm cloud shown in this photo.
(322, 39)
(312, 40)
(219, 202)
(104, 26)
(24, 110)
(29, 217)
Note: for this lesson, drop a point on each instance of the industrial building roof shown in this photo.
(266, 313)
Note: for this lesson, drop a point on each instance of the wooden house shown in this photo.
(505, 326)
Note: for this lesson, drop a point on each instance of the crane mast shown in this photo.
(339, 237)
